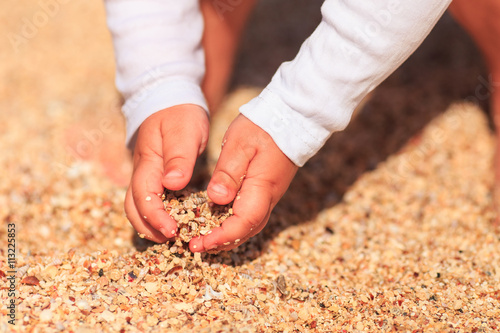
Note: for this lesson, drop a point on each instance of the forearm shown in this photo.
(159, 58)
(355, 47)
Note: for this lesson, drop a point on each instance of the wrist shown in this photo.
(161, 96)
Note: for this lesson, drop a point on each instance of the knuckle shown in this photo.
(250, 223)
(176, 160)
(248, 147)
(227, 178)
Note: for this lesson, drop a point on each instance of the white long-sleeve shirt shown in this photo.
(160, 63)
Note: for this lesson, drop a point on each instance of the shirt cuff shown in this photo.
(158, 97)
(297, 136)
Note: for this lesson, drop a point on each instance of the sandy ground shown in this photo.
(388, 228)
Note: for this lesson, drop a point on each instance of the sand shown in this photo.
(388, 228)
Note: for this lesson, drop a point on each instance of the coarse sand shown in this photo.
(388, 228)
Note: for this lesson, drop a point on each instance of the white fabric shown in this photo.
(355, 47)
(159, 59)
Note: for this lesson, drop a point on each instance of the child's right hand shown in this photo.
(168, 143)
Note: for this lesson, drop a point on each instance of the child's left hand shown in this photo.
(254, 173)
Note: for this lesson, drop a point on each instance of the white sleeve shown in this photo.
(159, 59)
(355, 47)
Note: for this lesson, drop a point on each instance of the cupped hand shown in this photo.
(253, 172)
(168, 143)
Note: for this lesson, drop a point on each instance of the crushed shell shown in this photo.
(194, 213)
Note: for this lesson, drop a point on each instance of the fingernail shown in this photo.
(219, 189)
(174, 174)
(166, 233)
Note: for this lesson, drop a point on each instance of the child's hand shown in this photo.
(168, 144)
(249, 162)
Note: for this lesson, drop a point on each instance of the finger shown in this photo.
(140, 225)
(146, 193)
(180, 150)
(229, 172)
(251, 213)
